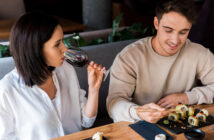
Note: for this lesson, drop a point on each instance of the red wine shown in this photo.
(78, 61)
(76, 57)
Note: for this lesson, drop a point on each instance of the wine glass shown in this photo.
(77, 57)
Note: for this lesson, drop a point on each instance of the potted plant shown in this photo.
(110, 35)
(101, 36)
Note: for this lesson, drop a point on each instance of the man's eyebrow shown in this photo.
(186, 29)
(168, 27)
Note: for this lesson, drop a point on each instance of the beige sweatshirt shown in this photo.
(140, 76)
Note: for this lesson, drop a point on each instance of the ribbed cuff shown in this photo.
(133, 113)
(192, 98)
(88, 122)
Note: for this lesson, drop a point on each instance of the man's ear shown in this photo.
(156, 23)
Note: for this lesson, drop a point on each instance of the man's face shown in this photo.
(172, 31)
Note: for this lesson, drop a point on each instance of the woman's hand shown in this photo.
(95, 76)
(151, 112)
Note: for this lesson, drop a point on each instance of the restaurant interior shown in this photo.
(93, 19)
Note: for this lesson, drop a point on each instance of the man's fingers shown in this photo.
(155, 106)
(161, 101)
(152, 117)
(164, 104)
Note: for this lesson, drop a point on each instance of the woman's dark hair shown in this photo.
(185, 7)
(27, 39)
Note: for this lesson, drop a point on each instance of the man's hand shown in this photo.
(151, 112)
(172, 100)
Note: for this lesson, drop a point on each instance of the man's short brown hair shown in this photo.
(184, 7)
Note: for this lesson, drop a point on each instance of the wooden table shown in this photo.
(68, 26)
(121, 131)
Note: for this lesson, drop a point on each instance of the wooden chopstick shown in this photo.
(154, 110)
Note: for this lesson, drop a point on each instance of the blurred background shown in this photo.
(91, 15)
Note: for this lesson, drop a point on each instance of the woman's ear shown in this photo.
(156, 23)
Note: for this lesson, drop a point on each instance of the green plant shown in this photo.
(135, 31)
(74, 40)
(4, 51)
(131, 32)
(115, 26)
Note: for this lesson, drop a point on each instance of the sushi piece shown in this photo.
(201, 117)
(191, 111)
(181, 107)
(182, 114)
(160, 137)
(205, 112)
(98, 136)
(192, 120)
(173, 116)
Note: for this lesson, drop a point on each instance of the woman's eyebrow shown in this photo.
(58, 41)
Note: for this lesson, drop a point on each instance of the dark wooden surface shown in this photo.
(67, 25)
(121, 130)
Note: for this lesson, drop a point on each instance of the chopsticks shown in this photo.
(153, 110)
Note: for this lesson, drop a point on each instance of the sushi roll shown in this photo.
(192, 120)
(173, 116)
(205, 112)
(181, 107)
(201, 117)
(191, 111)
(182, 114)
(98, 136)
(160, 137)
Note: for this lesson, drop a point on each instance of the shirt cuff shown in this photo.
(88, 122)
(133, 113)
(192, 98)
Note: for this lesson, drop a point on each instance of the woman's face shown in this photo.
(54, 48)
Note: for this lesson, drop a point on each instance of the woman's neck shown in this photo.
(49, 87)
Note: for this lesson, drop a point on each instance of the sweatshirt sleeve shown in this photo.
(205, 73)
(122, 85)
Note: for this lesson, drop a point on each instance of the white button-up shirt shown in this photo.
(27, 113)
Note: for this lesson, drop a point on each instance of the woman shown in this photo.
(41, 98)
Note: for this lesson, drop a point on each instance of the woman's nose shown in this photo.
(64, 48)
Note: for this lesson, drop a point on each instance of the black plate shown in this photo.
(178, 128)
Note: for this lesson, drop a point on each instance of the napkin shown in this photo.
(149, 130)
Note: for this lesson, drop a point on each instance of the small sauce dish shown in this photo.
(194, 134)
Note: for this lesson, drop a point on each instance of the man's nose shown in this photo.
(175, 39)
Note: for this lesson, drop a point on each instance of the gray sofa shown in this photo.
(103, 54)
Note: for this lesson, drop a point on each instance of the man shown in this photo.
(159, 72)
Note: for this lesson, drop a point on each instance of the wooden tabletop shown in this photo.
(68, 26)
(121, 131)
